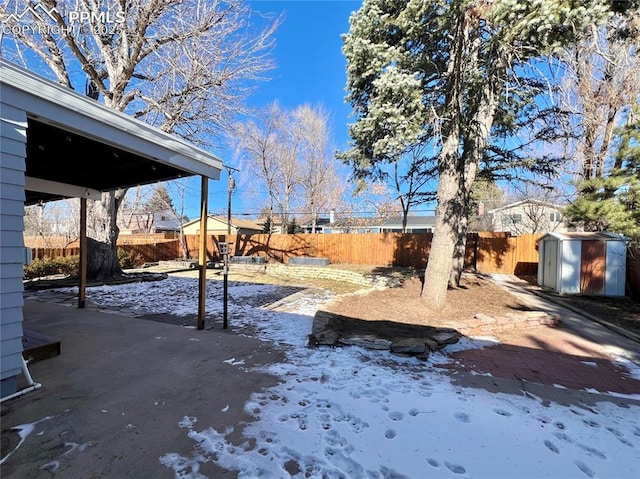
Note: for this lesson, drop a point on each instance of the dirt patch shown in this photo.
(402, 304)
(478, 294)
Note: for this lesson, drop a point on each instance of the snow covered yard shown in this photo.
(354, 413)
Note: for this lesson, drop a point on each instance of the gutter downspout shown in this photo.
(31, 387)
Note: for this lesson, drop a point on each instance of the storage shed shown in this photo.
(583, 263)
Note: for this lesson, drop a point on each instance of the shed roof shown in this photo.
(595, 235)
(75, 142)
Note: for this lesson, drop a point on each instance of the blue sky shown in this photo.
(310, 68)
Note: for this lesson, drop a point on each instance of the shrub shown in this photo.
(47, 266)
(129, 259)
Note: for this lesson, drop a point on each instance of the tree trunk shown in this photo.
(405, 213)
(469, 164)
(184, 246)
(102, 246)
(475, 142)
(459, 251)
(434, 290)
(436, 280)
(102, 261)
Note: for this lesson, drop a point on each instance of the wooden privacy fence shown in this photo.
(500, 253)
(487, 252)
(65, 242)
(148, 252)
(153, 252)
(40, 253)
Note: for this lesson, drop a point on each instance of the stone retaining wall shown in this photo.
(483, 324)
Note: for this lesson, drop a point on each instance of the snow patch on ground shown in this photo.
(354, 413)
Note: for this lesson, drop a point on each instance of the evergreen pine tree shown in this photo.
(612, 202)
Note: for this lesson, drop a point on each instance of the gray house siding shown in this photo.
(12, 166)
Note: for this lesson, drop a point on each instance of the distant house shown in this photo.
(323, 226)
(415, 224)
(217, 225)
(528, 217)
(140, 222)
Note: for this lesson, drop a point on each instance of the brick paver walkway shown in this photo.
(544, 366)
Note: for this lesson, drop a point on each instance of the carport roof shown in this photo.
(75, 144)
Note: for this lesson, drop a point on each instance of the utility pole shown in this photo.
(225, 250)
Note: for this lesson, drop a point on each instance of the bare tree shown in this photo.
(319, 182)
(289, 151)
(183, 66)
(257, 145)
(178, 189)
(539, 210)
(55, 223)
(410, 185)
(288, 172)
(370, 204)
(130, 214)
(601, 80)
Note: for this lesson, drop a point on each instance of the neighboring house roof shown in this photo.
(235, 222)
(412, 221)
(525, 202)
(124, 151)
(166, 225)
(159, 220)
(394, 222)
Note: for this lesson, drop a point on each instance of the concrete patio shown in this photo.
(113, 399)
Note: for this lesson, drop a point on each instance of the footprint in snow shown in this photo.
(455, 468)
(625, 442)
(502, 412)
(390, 434)
(396, 416)
(462, 417)
(615, 432)
(585, 469)
(433, 462)
(543, 419)
(592, 451)
(562, 436)
(551, 446)
(591, 423)
(333, 438)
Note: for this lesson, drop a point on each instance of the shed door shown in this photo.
(616, 268)
(550, 267)
(592, 267)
